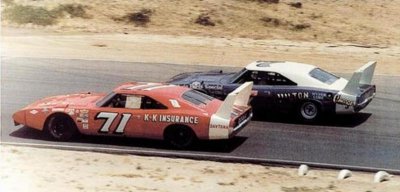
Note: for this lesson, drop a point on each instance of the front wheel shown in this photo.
(309, 111)
(180, 137)
(61, 128)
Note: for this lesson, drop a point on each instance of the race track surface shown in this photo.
(370, 139)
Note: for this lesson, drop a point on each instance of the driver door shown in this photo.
(262, 95)
(119, 117)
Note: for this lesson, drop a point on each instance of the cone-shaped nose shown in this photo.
(19, 117)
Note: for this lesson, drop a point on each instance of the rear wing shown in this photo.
(219, 127)
(362, 76)
(239, 97)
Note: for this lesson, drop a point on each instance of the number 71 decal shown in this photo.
(109, 119)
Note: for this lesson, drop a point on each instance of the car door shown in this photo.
(121, 116)
(283, 94)
(152, 113)
(262, 96)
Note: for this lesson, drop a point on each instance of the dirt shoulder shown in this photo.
(34, 169)
(153, 48)
(339, 36)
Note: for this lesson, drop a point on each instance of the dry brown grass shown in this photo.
(365, 22)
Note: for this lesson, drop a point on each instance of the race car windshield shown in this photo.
(237, 75)
(196, 97)
(104, 100)
(323, 76)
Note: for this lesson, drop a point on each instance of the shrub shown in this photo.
(140, 18)
(271, 21)
(8, 2)
(22, 14)
(299, 27)
(74, 10)
(205, 20)
(274, 22)
(268, 1)
(296, 4)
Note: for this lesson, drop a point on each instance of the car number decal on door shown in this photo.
(109, 119)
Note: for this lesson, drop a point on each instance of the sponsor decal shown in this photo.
(83, 116)
(241, 119)
(341, 100)
(175, 103)
(196, 85)
(217, 126)
(33, 112)
(214, 86)
(70, 111)
(296, 95)
(171, 118)
(318, 95)
(85, 126)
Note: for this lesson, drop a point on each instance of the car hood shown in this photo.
(211, 76)
(71, 100)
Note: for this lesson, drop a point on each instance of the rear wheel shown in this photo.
(179, 136)
(61, 127)
(309, 111)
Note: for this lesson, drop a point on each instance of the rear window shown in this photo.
(196, 97)
(323, 76)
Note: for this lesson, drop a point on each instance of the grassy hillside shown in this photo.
(364, 22)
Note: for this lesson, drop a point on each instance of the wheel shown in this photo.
(179, 136)
(309, 111)
(61, 127)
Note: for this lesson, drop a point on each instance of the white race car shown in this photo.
(288, 86)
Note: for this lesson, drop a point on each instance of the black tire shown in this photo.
(309, 111)
(179, 136)
(61, 127)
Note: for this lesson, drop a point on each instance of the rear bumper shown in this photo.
(239, 127)
(363, 104)
(345, 109)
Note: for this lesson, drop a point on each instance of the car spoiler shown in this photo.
(239, 97)
(362, 76)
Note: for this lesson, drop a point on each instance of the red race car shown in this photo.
(176, 114)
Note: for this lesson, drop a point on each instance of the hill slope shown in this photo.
(363, 22)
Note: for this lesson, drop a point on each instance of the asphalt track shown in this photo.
(366, 141)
